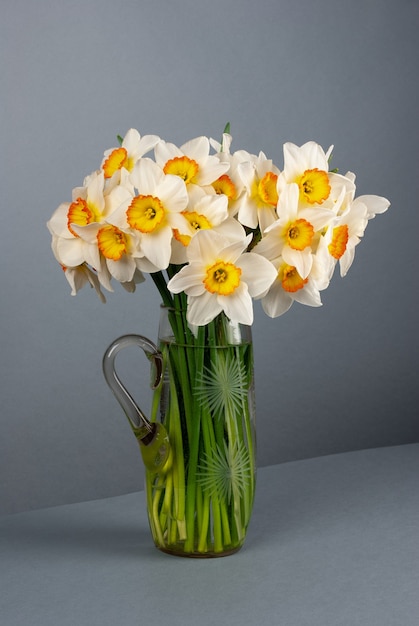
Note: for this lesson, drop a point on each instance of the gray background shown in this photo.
(73, 76)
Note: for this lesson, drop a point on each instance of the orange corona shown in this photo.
(337, 246)
(222, 278)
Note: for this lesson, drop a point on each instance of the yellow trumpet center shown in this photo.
(340, 238)
(222, 278)
(111, 242)
(185, 240)
(267, 189)
(79, 213)
(196, 220)
(299, 234)
(117, 159)
(224, 185)
(291, 280)
(314, 186)
(145, 213)
(184, 167)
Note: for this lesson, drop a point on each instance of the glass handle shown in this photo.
(152, 437)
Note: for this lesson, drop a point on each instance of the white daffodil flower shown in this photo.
(132, 148)
(81, 275)
(308, 167)
(289, 287)
(192, 162)
(231, 183)
(295, 233)
(221, 276)
(91, 205)
(68, 248)
(257, 205)
(153, 214)
(205, 211)
(300, 158)
(118, 249)
(345, 232)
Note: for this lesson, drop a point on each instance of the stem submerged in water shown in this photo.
(201, 506)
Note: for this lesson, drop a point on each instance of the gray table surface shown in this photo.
(333, 541)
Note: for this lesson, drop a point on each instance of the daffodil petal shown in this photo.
(58, 224)
(302, 260)
(70, 252)
(309, 295)
(346, 260)
(233, 250)
(246, 213)
(238, 306)
(95, 192)
(122, 270)
(173, 194)
(145, 176)
(211, 171)
(203, 310)
(257, 272)
(374, 204)
(277, 301)
(190, 279)
(271, 245)
(156, 247)
(205, 247)
(164, 151)
(197, 148)
(231, 229)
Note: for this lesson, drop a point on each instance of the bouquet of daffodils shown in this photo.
(213, 228)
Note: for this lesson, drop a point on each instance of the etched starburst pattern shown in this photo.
(226, 470)
(223, 386)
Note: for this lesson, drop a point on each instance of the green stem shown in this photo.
(194, 421)
(186, 513)
(161, 285)
(178, 468)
